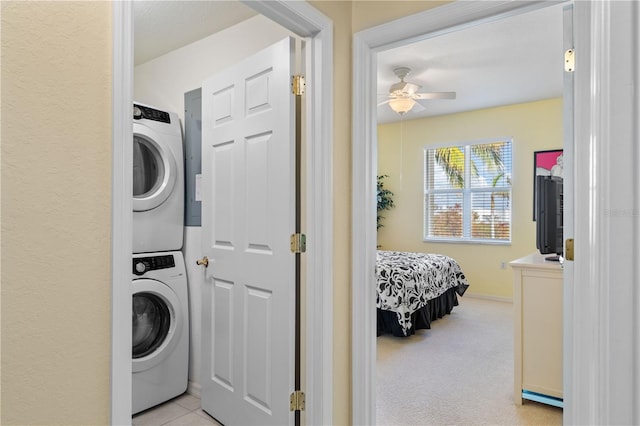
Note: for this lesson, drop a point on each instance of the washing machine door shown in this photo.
(154, 168)
(157, 323)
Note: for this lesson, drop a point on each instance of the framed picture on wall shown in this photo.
(546, 163)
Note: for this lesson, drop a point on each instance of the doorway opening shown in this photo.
(367, 45)
(317, 28)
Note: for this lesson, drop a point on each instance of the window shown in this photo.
(467, 192)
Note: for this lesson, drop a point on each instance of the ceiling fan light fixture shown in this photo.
(402, 105)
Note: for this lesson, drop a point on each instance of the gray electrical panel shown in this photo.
(193, 156)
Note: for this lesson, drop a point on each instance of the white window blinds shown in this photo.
(467, 192)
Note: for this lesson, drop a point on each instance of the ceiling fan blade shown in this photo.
(435, 95)
(384, 102)
(417, 107)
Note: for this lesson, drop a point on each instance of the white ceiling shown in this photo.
(508, 61)
(162, 26)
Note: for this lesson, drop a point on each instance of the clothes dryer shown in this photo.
(160, 340)
(158, 180)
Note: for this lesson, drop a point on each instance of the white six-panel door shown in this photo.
(248, 215)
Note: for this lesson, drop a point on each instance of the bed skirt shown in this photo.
(420, 319)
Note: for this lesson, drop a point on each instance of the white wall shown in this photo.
(162, 82)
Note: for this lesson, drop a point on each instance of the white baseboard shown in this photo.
(194, 388)
(488, 297)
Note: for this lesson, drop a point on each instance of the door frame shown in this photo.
(305, 21)
(596, 331)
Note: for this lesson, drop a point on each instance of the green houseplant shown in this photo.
(385, 202)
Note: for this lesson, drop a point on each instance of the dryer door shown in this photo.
(154, 169)
(157, 323)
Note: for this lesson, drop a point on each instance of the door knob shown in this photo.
(204, 261)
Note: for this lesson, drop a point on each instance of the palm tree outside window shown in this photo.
(467, 192)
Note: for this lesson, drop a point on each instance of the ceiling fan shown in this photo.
(404, 96)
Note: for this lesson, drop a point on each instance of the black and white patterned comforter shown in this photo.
(406, 281)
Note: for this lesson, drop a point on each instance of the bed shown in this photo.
(414, 289)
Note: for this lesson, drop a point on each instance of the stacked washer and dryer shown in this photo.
(160, 346)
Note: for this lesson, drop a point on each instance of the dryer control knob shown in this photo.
(141, 267)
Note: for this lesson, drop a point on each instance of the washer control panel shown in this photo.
(140, 111)
(142, 265)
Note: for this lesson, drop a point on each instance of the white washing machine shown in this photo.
(160, 343)
(158, 180)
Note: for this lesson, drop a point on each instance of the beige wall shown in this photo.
(533, 126)
(367, 14)
(56, 212)
(348, 18)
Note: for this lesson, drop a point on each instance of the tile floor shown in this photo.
(183, 410)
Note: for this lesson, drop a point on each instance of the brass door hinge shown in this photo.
(569, 249)
(298, 243)
(569, 60)
(297, 85)
(296, 401)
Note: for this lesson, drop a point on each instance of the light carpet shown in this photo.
(460, 372)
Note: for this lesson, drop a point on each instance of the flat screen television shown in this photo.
(549, 208)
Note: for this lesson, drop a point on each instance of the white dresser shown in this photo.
(537, 332)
